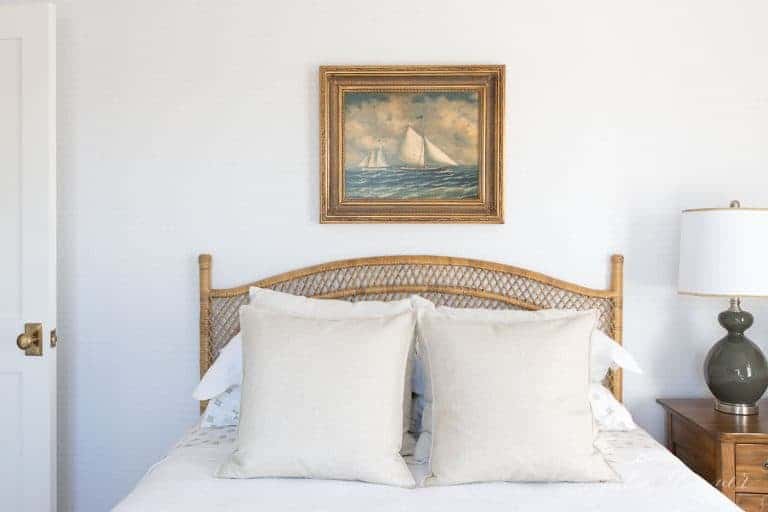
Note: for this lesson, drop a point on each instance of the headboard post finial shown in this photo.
(204, 264)
(204, 260)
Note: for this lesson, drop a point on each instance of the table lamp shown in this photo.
(724, 253)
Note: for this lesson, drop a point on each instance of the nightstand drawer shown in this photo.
(752, 467)
(752, 502)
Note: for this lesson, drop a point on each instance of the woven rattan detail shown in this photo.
(451, 285)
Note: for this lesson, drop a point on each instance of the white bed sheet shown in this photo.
(652, 480)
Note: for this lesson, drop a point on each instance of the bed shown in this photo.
(650, 475)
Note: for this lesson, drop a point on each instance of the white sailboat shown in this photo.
(374, 161)
(418, 153)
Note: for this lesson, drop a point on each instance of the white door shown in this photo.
(27, 256)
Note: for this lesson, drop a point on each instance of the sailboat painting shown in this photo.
(411, 145)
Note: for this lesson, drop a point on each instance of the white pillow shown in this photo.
(225, 372)
(223, 410)
(322, 398)
(605, 353)
(609, 413)
(511, 400)
(329, 309)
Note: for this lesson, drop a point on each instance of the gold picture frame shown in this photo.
(411, 144)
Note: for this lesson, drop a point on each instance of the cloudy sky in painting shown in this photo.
(450, 120)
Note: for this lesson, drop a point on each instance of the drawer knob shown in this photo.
(765, 465)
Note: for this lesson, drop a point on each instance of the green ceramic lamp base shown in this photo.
(735, 369)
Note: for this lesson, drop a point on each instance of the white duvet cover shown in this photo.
(652, 480)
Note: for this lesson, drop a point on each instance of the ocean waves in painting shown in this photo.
(451, 183)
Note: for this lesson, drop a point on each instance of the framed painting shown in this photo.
(411, 144)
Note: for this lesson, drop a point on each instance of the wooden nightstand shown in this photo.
(730, 452)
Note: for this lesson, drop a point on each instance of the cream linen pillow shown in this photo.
(511, 401)
(336, 309)
(322, 398)
(604, 352)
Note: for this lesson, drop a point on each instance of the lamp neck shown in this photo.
(735, 320)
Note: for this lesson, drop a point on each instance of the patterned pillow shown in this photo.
(223, 410)
(609, 413)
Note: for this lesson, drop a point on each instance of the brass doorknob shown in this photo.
(24, 341)
(31, 340)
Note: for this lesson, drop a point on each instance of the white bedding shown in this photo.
(652, 479)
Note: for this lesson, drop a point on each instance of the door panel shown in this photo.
(10, 177)
(10, 395)
(27, 255)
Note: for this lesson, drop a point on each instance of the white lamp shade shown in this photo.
(724, 252)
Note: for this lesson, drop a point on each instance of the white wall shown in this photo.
(191, 126)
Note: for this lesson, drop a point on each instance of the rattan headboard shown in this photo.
(456, 282)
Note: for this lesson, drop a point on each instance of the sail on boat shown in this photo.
(418, 153)
(374, 160)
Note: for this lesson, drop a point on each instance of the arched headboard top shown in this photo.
(455, 282)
